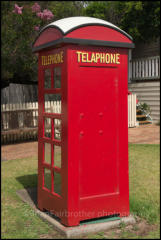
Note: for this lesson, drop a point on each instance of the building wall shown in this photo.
(146, 49)
(19, 93)
(148, 92)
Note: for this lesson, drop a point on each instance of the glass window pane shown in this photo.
(57, 129)
(47, 78)
(47, 153)
(57, 156)
(52, 103)
(57, 77)
(47, 127)
(47, 178)
(57, 183)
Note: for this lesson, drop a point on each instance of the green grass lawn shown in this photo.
(20, 221)
(144, 181)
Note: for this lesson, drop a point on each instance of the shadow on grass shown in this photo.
(30, 185)
(29, 182)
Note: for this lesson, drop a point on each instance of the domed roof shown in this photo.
(67, 25)
(81, 30)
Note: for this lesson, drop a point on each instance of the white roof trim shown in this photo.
(67, 24)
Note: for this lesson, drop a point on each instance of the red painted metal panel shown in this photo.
(98, 33)
(49, 34)
(88, 32)
(98, 146)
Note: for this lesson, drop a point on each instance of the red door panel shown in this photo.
(98, 145)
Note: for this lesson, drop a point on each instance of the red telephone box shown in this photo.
(83, 147)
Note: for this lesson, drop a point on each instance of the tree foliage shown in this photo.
(18, 63)
(141, 19)
(63, 9)
(19, 28)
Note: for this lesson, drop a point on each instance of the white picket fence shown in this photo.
(25, 115)
(22, 119)
(132, 110)
(145, 68)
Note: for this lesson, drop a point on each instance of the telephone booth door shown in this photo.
(99, 143)
(51, 129)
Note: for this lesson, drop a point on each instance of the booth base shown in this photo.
(86, 227)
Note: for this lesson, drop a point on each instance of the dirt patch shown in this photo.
(147, 134)
(143, 228)
(19, 150)
(140, 228)
(54, 235)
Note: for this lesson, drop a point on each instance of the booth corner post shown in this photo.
(83, 120)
